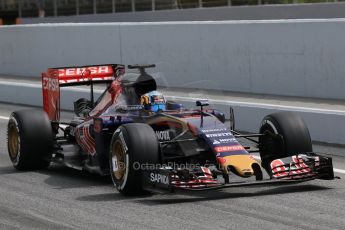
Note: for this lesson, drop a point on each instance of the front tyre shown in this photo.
(29, 139)
(132, 145)
(286, 135)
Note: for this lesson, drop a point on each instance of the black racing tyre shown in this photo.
(30, 139)
(293, 137)
(131, 146)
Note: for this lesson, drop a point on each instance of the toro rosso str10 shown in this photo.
(148, 143)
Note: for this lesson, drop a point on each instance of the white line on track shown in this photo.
(264, 105)
(335, 170)
(339, 171)
(257, 157)
(3, 118)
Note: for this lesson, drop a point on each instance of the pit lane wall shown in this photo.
(284, 57)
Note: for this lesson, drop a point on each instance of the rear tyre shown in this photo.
(132, 145)
(287, 135)
(29, 139)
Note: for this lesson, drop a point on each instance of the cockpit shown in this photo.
(126, 90)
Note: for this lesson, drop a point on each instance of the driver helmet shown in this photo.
(153, 101)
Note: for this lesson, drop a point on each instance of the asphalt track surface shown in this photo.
(62, 198)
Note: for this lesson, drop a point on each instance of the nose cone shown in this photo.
(242, 165)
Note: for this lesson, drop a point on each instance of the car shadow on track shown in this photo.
(219, 195)
(112, 197)
(9, 170)
(61, 177)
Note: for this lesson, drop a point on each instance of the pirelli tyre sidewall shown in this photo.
(294, 133)
(132, 146)
(29, 139)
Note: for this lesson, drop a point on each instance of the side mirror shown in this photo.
(202, 103)
(232, 119)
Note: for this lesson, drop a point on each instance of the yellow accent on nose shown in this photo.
(242, 164)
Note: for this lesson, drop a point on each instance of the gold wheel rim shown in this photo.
(13, 141)
(119, 153)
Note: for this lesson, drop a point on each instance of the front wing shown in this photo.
(295, 169)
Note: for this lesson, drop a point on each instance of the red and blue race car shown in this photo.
(146, 142)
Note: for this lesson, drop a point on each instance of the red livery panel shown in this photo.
(93, 73)
(51, 95)
(55, 78)
(232, 148)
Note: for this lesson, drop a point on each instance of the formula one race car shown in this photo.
(148, 143)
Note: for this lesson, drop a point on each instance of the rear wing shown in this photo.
(55, 78)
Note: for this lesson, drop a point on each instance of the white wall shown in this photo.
(294, 57)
